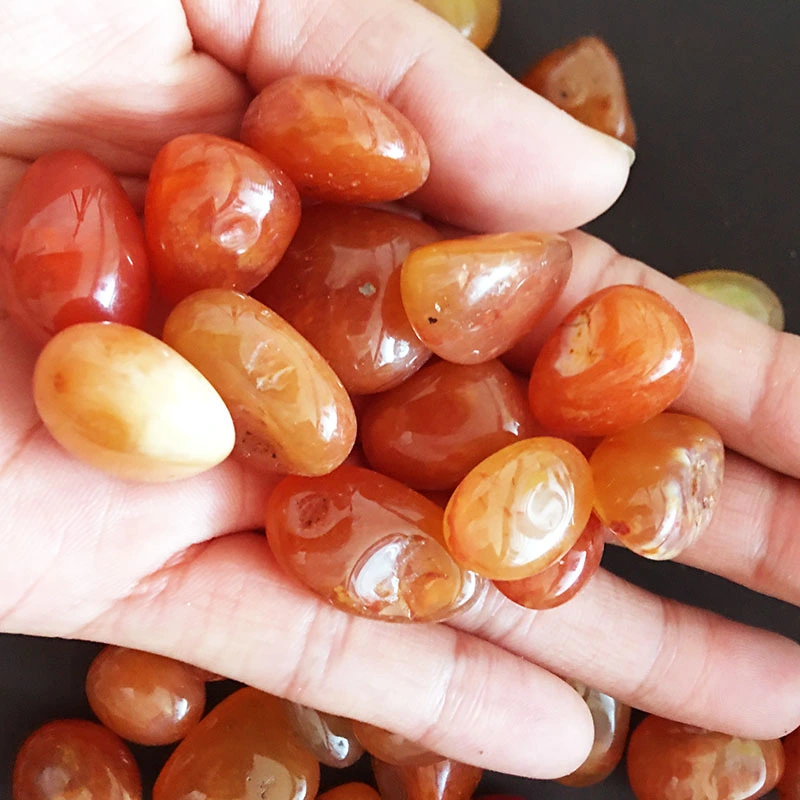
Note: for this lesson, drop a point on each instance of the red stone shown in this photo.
(336, 141)
(73, 758)
(585, 80)
(430, 431)
(619, 357)
(339, 286)
(71, 248)
(444, 780)
(218, 215)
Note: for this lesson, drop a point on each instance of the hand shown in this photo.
(169, 568)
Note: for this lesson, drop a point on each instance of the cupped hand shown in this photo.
(172, 569)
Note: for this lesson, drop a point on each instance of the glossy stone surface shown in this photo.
(339, 286)
(392, 747)
(585, 80)
(619, 357)
(561, 581)
(472, 299)
(656, 485)
(789, 785)
(336, 141)
(611, 720)
(124, 402)
(671, 761)
(430, 431)
(444, 780)
(369, 545)
(73, 758)
(475, 19)
(242, 749)
(520, 510)
(218, 215)
(741, 291)
(71, 248)
(328, 737)
(291, 412)
(145, 698)
(350, 791)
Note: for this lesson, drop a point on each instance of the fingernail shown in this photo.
(619, 146)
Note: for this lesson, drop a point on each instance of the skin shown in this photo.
(169, 569)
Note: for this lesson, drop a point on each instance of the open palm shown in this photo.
(173, 569)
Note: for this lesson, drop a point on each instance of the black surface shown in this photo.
(714, 91)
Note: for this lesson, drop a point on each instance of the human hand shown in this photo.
(150, 567)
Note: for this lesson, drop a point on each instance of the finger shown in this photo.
(753, 539)
(657, 655)
(227, 607)
(501, 156)
(746, 380)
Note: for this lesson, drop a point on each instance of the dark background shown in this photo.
(715, 92)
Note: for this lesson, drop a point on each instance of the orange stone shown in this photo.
(520, 510)
(350, 791)
(561, 581)
(329, 738)
(71, 248)
(218, 215)
(336, 141)
(611, 720)
(73, 758)
(369, 545)
(392, 747)
(339, 286)
(145, 698)
(430, 431)
(671, 761)
(291, 412)
(585, 80)
(657, 484)
(475, 19)
(472, 299)
(444, 780)
(789, 785)
(122, 401)
(620, 357)
(244, 748)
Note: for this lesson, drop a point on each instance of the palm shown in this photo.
(151, 567)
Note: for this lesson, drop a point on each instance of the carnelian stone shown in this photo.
(339, 286)
(475, 19)
(71, 248)
(738, 290)
(392, 747)
(350, 791)
(520, 510)
(336, 141)
(789, 785)
(369, 545)
(73, 758)
(656, 485)
(328, 737)
(444, 780)
(472, 299)
(122, 401)
(619, 358)
(585, 80)
(145, 698)
(244, 748)
(671, 761)
(611, 720)
(430, 431)
(218, 215)
(563, 580)
(291, 412)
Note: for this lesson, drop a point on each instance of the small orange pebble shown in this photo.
(520, 510)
